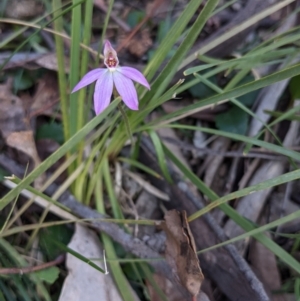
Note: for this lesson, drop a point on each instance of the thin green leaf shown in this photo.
(74, 66)
(285, 178)
(171, 38)
(160, 155)
(78, 255)
(234, 93)
(164, 78)
(140, 166)
(275, 148)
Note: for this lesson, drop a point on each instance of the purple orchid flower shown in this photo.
(113, 75)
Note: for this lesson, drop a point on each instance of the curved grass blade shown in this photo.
(275, 148)
(140, 166)
(164, 78)
(171, 38)
(233, 93)
(160, 155)
(276, 223)
(285, 178)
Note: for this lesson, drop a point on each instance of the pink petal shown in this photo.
(135, 75)
(103, 91)
(108, 48)
(110, 56)
(126, 89)
(89, 78)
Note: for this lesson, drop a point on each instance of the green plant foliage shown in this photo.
(52, 131)
(49, 275)
(135, 17)
(19, 286)
(3, 173)
(163, 29)
(130, 271)
(294, 87)
(22, 80)
(234, 120)
(201, 91)
(249, 98)
(60, 233)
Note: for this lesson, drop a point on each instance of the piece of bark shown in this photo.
(181, 251)
(24, 142)
(46, 96)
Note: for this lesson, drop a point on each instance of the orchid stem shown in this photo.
(126, 123)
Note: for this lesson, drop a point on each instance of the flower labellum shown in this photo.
(113, 76)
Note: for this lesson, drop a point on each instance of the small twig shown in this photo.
(26, 270)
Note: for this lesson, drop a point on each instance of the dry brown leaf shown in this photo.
(46, 96)
(49, 61)
(140, 43)
(181, 251)
(158, 8)
(21, 9)
(24, 142)
(11, 110)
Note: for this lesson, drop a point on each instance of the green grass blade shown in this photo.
(275, 148)
(77, 255)
(81, 102)
(238, 28)
(116, 209)
(171, 38)
(160, 155)
(285, 178)
(249, 60)
(233, 93)
(162, 81)
(269, 226)
(74, 66)
(244, 108)
(21, 262)
(62, 81)
(119, 277)
(140, 166)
